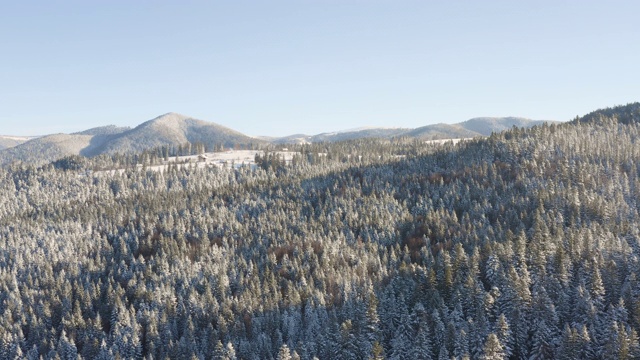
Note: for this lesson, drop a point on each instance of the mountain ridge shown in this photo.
(479, 126)
(174, 129)
(170, 129)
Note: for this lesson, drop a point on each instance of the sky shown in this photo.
(283, 67)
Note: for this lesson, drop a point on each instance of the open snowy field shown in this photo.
(231, 159)
(444, 141)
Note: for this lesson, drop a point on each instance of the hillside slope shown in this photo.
(46, 149)
(175, 129)
(382, 133)
(487, 125)
(11, 141)
(167, 130)
(441, 131)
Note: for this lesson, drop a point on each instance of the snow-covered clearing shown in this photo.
(231, 159)
(444, 141)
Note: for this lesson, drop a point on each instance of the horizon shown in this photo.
(310, 67)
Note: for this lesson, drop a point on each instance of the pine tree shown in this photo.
(401, 342)
(66, 348)
(229, 352)
(377, 352)
(422, 348)
(503, 332)
(284, 353)
(493, 350)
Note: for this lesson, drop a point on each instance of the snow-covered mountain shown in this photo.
(11, 141)
(46, 148)
(482, 126)
(487, 125)
(168, 129)
(173, 129)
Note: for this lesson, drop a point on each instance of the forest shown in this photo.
(521, 245)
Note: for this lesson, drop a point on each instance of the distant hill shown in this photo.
(441, 131)
(174, 129)
(370, 132)
(11, 141)
(105, 130)
(290, 139)
(487, 125)
(358, 134)
(46, 148)
(169, 129)
(482, 126)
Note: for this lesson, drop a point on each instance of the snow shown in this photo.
(227, 159)
(444, 141)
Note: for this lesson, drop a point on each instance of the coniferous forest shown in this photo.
(522, 245)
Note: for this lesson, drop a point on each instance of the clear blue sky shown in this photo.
(284, 67)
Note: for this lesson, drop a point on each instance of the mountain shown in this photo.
(174, 129)
(358, 134)
(481, 126)
(166, 130)
(367, 132)
(46, 148)
(290, 139)
(11, 141)
(487, 125)
(441, 131)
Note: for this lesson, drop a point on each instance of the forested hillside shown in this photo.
(523, 245)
